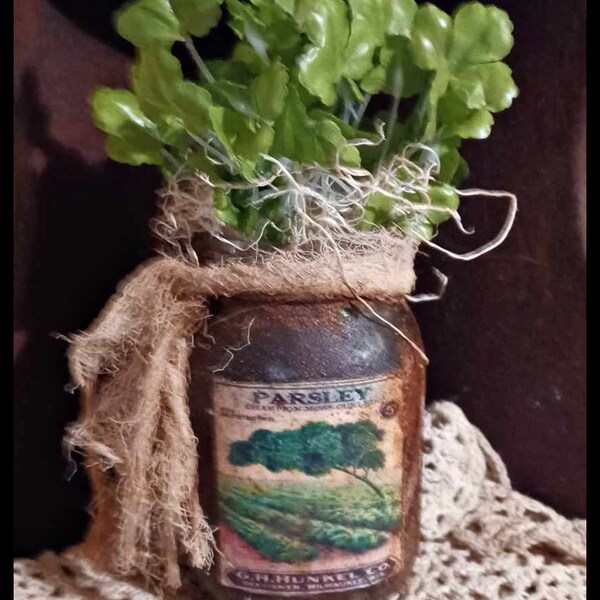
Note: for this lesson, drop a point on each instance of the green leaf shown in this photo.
(245, 54)
(462, 172)
(245, 24)
(468, 92)
(241, 198)
(449, 162)
(293, 136)
(482, 34)
(241, 138)
(351, 88)
(227, 212)
(453, 107)
(289, 6)
(349, 132)
(197, 16)
(248, 222)
(156, 76)
(198, 161)
(321, 65)
(266, 27)
(367, 32)
(235, 95)
(194, 103)
(438, 86)
(134, 147)
(251, 144)
(314, 137)
(468, 81)
(496, 82)
(378, 209)
(233, 70)
(431, 37)
(442, 196)
(218, 116)
(149, 22)
(375, 80)
(350, 156)
(371, 20)
(331, 142)
(419, 227)
(396, 71)
(114, 108)
(172, 132)
(133, 138)
(269, 90)
(477, 126)
(399, 16)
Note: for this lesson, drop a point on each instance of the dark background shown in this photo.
(507, 341)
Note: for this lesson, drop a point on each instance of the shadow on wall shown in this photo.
(87, 228)
(97, 18)
(508, 340)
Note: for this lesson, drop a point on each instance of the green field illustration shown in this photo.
(296, 522)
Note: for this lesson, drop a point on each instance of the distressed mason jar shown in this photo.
(308, 416)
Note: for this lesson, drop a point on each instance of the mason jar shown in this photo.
(308, 418)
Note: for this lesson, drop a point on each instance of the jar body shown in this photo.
(308, 416)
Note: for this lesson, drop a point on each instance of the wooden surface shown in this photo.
(507, 342)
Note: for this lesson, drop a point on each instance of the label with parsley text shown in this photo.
(309, 480)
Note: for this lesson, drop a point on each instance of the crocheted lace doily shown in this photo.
(481, 540)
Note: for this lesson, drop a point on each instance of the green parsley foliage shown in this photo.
(296, 86)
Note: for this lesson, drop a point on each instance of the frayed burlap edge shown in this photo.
(479, 537)
(132, 367)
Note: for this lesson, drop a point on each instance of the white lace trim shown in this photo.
(481, 539)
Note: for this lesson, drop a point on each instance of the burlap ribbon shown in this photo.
(132, 368)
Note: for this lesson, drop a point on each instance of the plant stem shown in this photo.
(170, 158)
(390, 128)
(397, 85)
(202, 68)
(361, 111)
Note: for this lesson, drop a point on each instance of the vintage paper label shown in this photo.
(309, 480)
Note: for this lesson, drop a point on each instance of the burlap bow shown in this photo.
(132, 368)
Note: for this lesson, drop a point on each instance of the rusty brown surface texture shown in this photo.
(313, 342)
(507, 342)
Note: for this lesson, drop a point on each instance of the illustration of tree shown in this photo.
(316, 449)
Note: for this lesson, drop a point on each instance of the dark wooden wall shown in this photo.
(507, 342)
